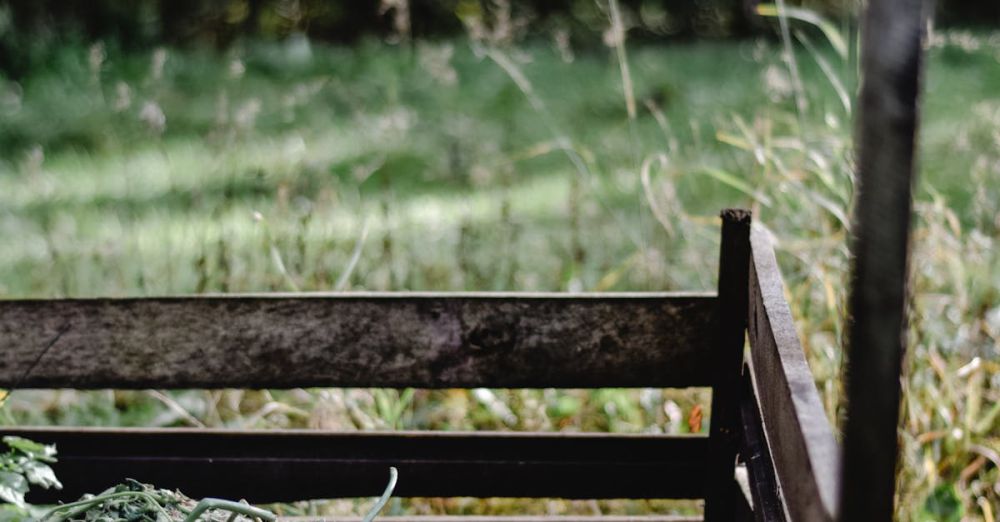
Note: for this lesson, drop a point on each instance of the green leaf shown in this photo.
(11, 513)
(31, 448)
(943, 505)
(13, 486)
(40, 474)
(810, 17)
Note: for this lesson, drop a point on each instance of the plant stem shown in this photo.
(86, 504)
(374, 511)
(235, 507)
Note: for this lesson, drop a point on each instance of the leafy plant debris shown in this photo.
(133, 501)
(26, 463)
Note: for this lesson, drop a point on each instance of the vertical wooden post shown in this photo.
(734, 283)
(891, 56)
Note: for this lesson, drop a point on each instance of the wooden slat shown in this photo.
(805, 453)
(888, 114)
(371, 340)
(727, 363)
(277, 466)
(768, 506)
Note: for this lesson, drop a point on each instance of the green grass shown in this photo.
(438, 171)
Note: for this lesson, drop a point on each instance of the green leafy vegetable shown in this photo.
(26, 463)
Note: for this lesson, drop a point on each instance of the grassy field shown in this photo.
(472, 166)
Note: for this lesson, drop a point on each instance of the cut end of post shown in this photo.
(736, 215)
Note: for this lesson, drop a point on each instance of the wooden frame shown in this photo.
(769, 415)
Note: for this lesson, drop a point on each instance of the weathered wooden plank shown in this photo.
(805, 453)
(727, 362)
(277, 466)
(371, 339)
(886, 138)
(768, 505)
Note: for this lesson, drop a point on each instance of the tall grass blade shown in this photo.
(824, 65)
(735, 182)
(659, 212)
(515, 74)
(618, 32)
(805, 15)
(345, 276)
(793, 67)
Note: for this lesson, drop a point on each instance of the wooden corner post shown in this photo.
(721, 501)
(891, 57)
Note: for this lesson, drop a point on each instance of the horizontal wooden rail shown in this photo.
(370, 340)
(801, 441)
(276, 466)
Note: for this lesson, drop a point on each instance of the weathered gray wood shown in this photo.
(886, 138)
(801, 442)
(389, 340)
(768, 506)
(285, 465)
(727, 363)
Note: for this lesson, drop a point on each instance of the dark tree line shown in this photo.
(29, 27)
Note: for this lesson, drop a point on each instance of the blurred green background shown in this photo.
(156, 147)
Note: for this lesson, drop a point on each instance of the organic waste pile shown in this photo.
(134, 501)
(26, 463)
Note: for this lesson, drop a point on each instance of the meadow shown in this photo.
(483, 164)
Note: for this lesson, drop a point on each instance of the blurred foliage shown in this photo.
(31, 29)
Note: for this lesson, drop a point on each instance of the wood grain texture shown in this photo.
(371, 340)
(800, 439)
(727, 363)
(287, 465)
(768, 506)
